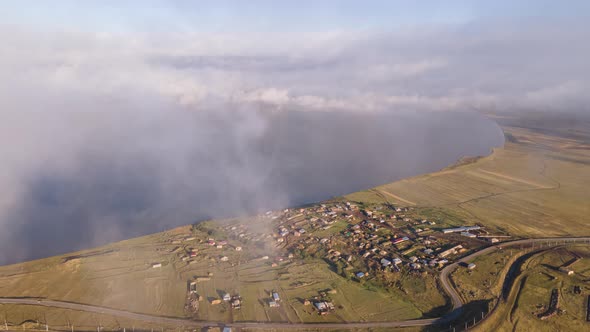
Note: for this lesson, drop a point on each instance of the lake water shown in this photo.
(176, 169)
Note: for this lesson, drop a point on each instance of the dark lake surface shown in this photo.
(143, 178)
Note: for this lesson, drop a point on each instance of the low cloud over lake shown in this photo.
(108, 135)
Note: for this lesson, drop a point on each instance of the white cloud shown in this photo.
(73, 102)
(431, 68)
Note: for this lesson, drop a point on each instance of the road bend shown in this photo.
(444, 278)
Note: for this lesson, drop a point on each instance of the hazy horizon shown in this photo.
(147, 94)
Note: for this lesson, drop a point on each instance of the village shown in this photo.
(359, 242)
(371, 241)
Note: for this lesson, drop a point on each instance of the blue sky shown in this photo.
(264, 15)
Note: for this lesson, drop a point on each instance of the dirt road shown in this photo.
(444, 278)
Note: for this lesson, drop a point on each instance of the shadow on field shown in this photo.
(551, 267)
(514, 272)
(466, 314)
(437, 311)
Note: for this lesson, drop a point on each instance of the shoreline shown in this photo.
(457, 163)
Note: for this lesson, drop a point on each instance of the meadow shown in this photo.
(122, 276)
(535, 185)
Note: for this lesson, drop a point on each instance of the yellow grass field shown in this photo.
(26, 317)
(536, 185)
(121, 276)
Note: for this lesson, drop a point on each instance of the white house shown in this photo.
(385, 262)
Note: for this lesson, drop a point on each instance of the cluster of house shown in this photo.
(406, 239)
(374, 239)
(323, 307)
(382, 251)
(247, 233)
(235, 301)
(294, 221)
(367, 241)
(428, 257)
(322, 217)
(322, 303)
(188, 252)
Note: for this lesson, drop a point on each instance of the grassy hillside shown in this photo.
(122, 276)
(536, 185)
(530, 298)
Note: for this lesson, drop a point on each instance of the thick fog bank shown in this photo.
(81, 180)
(106, 135)
(322, 155)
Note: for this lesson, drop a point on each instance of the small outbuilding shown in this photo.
(276, 297)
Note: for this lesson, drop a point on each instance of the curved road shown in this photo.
(444, 278)
(444, 275)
